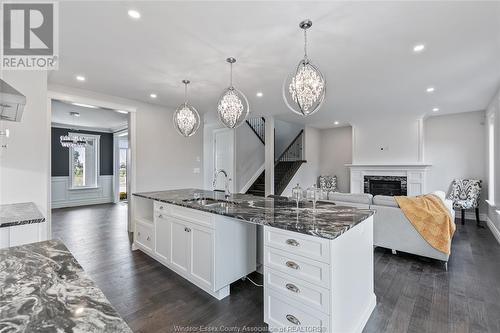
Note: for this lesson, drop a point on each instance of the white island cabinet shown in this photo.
(209, 250)
(314, 284)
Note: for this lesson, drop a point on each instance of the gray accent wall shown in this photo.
(60, 155)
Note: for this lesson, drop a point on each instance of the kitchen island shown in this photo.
(318, 263)
(44, 289)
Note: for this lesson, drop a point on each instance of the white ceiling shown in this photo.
(99, 119)
(363, 48)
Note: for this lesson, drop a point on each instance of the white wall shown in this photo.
(454, 146)
(308, 173)
(336, 152)
(399, 136)
(284, 133)
(24, 165)
(493, 117)
(164, 159)
(249, 157)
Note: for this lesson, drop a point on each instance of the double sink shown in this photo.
(212, 203)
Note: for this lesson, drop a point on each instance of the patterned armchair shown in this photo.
(465, 195)
(327, 184)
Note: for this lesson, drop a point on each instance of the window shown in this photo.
(84, 162)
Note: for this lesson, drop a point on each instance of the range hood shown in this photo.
(12, 102)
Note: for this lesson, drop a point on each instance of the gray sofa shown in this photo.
(391, 228)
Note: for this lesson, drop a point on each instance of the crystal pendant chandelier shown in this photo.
(186, 117)
(304, 90)
(233, 105)
(69, 141)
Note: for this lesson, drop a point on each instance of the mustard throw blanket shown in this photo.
(431, 218)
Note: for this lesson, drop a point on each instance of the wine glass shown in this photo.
(297, 194)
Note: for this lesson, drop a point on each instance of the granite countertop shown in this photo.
(19, 213)
(328, 221)
(43, 288)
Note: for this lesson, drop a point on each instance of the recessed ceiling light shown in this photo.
(80, 78)
(430, 89)
(122, 111)
(419, 48)
(153, 95)
(259, 94)
(134, 14)
(85, 105)
(435, 109)
(335, 122)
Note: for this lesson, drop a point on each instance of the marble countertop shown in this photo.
(19, 213)
(327, 221)
(43, 288)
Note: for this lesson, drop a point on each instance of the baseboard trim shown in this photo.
(75, 203)
(493, 228)
(252, 179)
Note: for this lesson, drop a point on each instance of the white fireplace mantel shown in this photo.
(415, 174)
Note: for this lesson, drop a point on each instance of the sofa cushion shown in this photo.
(385, 200)
(362, 198)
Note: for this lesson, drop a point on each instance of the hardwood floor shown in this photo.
(413, 294)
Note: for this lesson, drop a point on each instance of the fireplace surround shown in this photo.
(385, 185)
(415, 174)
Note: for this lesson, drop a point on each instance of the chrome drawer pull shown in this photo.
(293, 265)
(292, 242)
(292, 319)
(160, 216)
(149, 238)
(161, 207)
(292, 287)
(187, 229)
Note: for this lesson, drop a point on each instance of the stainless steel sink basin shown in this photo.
(210, 202)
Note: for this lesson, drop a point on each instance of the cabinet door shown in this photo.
(162, 238)
(179, 249)
(202, 255)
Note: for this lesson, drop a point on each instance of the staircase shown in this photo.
(285, 166)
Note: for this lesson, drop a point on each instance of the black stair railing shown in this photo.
(294, 151)
(258, 126)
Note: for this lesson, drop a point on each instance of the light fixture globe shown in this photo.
(304, 90)
(233, 107)
(186, 118)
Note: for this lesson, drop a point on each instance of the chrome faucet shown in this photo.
(227, 194)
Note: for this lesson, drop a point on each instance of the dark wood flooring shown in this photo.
(413, 294)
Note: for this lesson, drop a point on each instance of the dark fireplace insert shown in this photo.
(385, 185)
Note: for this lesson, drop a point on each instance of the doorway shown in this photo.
(101, 189)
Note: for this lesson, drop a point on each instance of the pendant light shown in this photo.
(73, 141)
(233, 105)
(186, 117)
(304, 90)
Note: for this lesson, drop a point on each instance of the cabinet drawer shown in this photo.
(309, 270)
(301, 291)
(161, 208)
(279, 314)
(308, 246)
(144, 235)
(192, 215)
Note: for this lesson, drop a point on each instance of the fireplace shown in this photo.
(385, 185)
